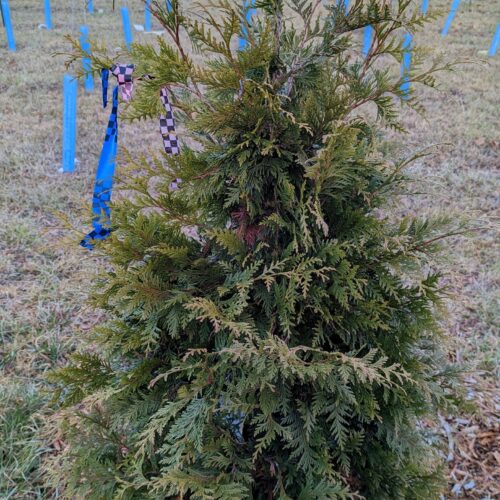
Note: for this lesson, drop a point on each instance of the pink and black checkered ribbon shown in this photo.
(168, 134)
(167, 126)
(123, 73)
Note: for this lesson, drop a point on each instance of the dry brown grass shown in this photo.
(43, 286)
(463, 178)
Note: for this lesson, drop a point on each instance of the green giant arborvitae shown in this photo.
(272, 327)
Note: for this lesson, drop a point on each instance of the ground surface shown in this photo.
(44, 275)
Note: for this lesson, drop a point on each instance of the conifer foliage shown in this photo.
(272, 327)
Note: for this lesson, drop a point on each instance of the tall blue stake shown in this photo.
(454, 7)
(367, 39)
(127, 30)
(495, 42)
(48, 17)
(405, 66)
(90, 6)
(147, 16)
(249, 11)
(169, 5)
(425, 6)
(69, 124)
(11, 42)
(84, 42)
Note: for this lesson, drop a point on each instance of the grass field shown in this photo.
(45, 275)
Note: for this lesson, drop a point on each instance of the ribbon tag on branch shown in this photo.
(123, 73)
(104, 84)
(167, 126)
(103, 186)
(168, 134)
(105, 170)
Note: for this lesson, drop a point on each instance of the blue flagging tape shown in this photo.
(90, 6)
(101, 221)
(367, 39)
(425, 6)
(127, 29)
(11, 41)
(84, 42)
(69, 123)
(147, 16)
(495, 42)
(48, 16)
(168, 3)
(249, 11)
(405, 66)
(104, 84)
(453, 10)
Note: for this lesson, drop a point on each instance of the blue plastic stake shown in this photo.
(425, 6)
(495, 42)
(90, 6)
(69, 124)
(249, 11)
(169, 5)
(48, 17)
(367, 39)
(405, 66)
(84, 42)
(127, 29)
(11, 42)
(454, 7)
(147, 17)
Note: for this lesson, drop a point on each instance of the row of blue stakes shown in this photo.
(70, 84)
(11, 43)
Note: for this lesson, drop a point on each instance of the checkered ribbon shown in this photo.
(123, 73)
(106, 167)
(167, 129)
(167, 126)
(103, 186)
